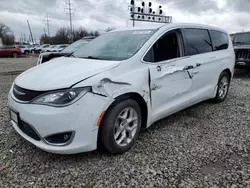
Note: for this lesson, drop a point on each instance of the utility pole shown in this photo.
(30, 32)
(24, 37)
(70, 19)
(133, 11)
(47, 22)
(44, 30)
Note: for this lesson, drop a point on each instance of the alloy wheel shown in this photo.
(125, 127)
(223, 87)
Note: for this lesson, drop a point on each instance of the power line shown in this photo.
(70, 13)
(47, 22)
(44, 31)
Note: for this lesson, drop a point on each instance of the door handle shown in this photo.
(198, 64)
(196, 72)
(188, 67)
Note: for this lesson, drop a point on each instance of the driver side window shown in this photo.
(165, 48)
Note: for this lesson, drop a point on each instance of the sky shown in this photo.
(232, 15)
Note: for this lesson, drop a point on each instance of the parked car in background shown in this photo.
(10, 51)
(32, 48)
(45, 49)
(241, 42)
(44, 57)
(41, 47)
(117, 84)
(24, 49)
(50, 49)
(59, 47)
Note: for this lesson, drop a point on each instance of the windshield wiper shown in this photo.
(239, 43)
(70, 55)
(91, 57)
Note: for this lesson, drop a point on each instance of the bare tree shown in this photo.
(5, 34)
(62, 35)
(44, 39)
(110, 29)
(9, 39)
(80, 33)
(4, 30)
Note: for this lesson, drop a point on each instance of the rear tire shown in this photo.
(223, 86)
(14, 55)
(26, 53)
(120, 127)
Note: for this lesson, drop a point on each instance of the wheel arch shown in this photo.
(228, 72)
(139, 99)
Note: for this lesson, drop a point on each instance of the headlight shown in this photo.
(61, 98)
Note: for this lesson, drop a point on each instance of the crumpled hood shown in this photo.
(245, 46)
(61, 73)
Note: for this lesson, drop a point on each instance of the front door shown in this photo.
(170, 87)
(170, 77)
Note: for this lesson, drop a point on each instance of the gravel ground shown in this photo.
(204, 146)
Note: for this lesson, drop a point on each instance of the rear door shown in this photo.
(198, 46)
(170, 83)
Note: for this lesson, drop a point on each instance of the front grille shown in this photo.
(243, 54)
(28, 130)
(25, 94)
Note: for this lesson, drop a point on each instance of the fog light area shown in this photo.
(61, 138)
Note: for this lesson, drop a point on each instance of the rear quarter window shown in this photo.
(197, 41)
(220, 40)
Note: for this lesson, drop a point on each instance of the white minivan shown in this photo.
(122, 81)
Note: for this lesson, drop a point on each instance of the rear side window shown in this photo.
(220, 40)
(197, 41)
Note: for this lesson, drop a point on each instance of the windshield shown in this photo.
(75, 46)
(242, 38)
(118, 45)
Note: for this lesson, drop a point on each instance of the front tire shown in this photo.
(120, 127)
(223, 86)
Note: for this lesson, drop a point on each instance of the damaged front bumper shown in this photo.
(80, 118)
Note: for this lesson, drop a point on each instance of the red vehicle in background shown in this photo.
(10, 51)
